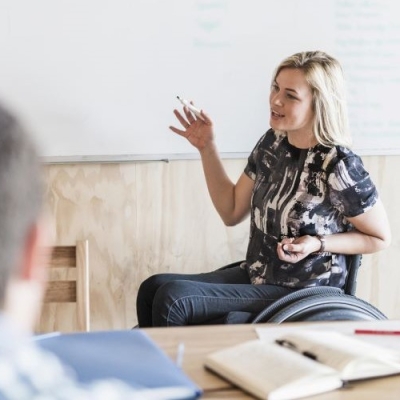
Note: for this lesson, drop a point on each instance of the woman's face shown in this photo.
(291, 103)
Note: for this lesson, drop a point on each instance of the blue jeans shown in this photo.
(196, 299)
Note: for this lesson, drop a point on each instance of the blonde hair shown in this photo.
(324, 74)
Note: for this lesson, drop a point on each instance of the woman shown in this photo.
(310, 198)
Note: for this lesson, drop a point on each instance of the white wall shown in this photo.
(99, 78)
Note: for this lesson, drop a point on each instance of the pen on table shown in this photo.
(179, 354)
(292, 346)
(375, 332)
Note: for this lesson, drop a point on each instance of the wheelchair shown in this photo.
(319, 303)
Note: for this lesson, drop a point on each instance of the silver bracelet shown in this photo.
(322, 239)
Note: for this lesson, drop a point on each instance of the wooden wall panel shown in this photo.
(148, 217)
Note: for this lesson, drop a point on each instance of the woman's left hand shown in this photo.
(293, 250)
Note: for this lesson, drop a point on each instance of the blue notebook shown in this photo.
(131, 356)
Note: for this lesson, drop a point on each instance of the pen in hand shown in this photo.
(287, 252)
(191, 107)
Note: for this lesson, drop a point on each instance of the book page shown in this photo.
(355, 359)
(392, 342)
(266, 369)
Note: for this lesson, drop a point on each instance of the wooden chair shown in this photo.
(75, 289)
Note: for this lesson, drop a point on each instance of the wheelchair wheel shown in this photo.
(285, 301)
(328, 307)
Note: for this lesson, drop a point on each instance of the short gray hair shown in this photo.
(21, 193)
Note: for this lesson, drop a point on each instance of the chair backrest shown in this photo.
(353, 263)
(73, 290)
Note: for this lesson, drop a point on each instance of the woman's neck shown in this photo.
(302, 140)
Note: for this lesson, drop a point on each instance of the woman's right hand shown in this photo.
(199, 132)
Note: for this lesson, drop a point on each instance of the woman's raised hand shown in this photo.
(198, 131)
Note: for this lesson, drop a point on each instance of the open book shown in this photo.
(301, 364)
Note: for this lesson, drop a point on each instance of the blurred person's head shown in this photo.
(22, 228)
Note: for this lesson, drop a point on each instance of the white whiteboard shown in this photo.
(98, 79)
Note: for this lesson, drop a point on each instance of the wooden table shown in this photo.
(202, 340)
